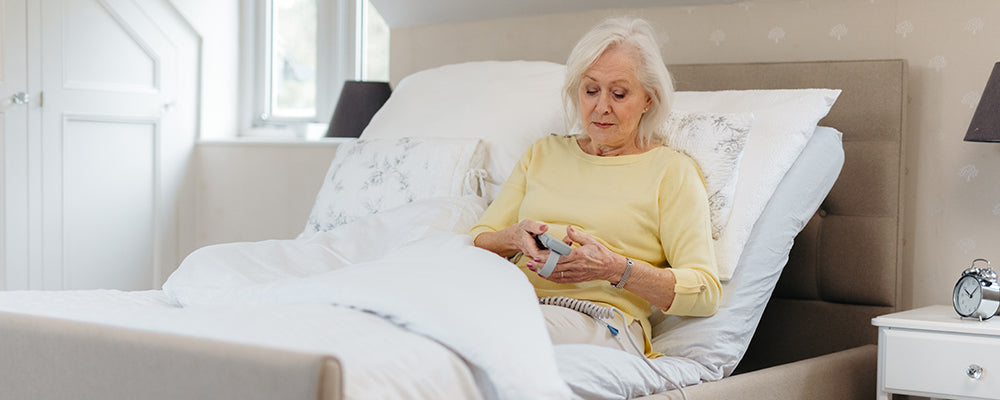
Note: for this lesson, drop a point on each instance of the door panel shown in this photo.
(101, 52)
(109, 175)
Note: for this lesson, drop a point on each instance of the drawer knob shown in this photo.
(974, 372)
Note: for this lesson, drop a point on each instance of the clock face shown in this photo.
(967, 296)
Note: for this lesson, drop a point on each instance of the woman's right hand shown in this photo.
(523, 235)
(519, 237)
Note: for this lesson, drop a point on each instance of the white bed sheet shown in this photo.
(360, 341)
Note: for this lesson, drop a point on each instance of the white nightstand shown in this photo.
(932, 352)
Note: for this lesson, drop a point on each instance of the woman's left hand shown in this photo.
(593, 261)
(589, 262)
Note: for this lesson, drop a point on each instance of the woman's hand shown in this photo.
(523, 236)
(516, 238)
(593, 261)
(589, 262)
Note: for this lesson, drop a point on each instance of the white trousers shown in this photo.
(568, 326)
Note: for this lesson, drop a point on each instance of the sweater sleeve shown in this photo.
(686, 236)
(503, 211)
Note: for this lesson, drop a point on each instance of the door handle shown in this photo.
(20, 98)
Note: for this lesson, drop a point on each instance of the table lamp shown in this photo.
(985, 125)
(359, 100)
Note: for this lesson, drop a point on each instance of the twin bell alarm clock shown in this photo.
(977, 293)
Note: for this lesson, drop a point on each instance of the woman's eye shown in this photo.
(591, 91)
(619, 95)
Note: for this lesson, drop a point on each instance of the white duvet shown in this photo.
(415, 267)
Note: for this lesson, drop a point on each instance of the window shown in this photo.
(303, 51)
(290, 60)
(375, 46)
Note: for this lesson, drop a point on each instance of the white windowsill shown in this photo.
(273, 141)
(291, 135)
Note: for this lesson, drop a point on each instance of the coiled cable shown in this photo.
(587, 307)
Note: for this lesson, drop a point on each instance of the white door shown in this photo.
(117, 122)
(13, 139)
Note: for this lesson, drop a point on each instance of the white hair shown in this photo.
(634, 33)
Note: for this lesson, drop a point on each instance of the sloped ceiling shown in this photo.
(399, 13)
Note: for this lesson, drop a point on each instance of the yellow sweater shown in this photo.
(651, 207)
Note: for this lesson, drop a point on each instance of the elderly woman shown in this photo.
(635, 211)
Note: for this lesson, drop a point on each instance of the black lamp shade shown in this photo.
(357, 104)
(985, 125)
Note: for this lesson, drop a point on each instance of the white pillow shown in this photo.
(507, 104)
(367, 176)
(716, 141)
(784, 121)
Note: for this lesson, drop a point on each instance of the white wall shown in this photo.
(257, 190)
(218, 24)
(952, 197)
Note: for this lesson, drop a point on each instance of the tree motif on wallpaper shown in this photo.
(936, 209)
(838, 31)
(968, 172)
(938, 63)
(776, 34)
(966, 245)
(745, 5)
(904, 28)
(970, 99)
(974, 25)
(717, 36)
(996, 210)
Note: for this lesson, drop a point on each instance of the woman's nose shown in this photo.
(604, 104)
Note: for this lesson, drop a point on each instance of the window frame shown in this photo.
(337, 60)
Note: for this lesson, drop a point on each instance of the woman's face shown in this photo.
(611, 98)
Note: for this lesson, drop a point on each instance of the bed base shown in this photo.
(848, 374)
(46, 358)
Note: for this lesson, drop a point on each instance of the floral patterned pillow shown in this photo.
(368, 176)
(716, 141)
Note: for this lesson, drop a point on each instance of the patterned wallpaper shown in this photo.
(952, 188)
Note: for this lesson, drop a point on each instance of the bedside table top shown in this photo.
(938, 318)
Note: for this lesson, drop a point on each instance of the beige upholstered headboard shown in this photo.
(844, 267)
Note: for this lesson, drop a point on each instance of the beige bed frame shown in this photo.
(815, 340)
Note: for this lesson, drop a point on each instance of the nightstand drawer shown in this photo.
(938, 363)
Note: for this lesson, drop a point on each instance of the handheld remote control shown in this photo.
(546, 241)
(557, 247)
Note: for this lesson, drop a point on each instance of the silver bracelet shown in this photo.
(628, 270)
